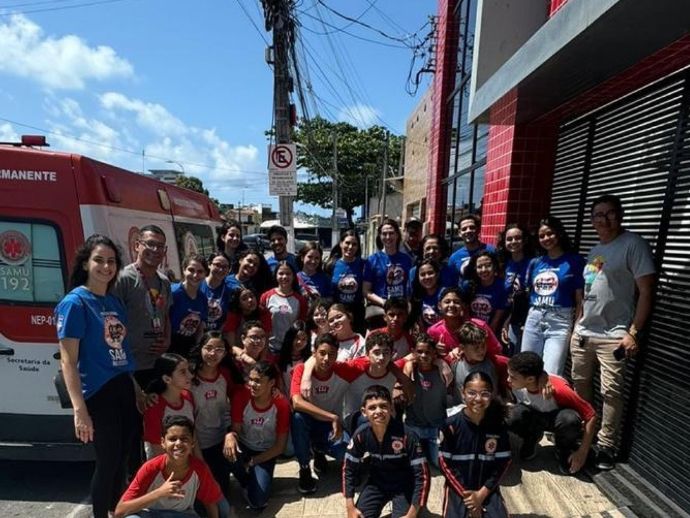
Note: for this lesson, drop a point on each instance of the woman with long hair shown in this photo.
(385, 272)
(486, 290)
(515, 251)
(556, 286)
(189, 309)
(97, 365)
(426, 294)
(313, 282)
(217, 293)
(250, 271)
(229, 241)
(346, 270)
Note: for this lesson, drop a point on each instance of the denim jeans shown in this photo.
(257, 480)
(428, 438)
(309, 433)
(546, 333)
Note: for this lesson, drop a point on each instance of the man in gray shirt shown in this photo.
(145, 292)
(606, 333)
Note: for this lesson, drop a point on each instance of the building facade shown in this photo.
(539, 107)
(417, 133)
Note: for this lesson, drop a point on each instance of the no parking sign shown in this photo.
(282, 170)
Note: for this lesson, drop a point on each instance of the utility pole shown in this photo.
(279, 20)
(335, 231)
(384, 177)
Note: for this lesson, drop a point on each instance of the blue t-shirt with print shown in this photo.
(516, 274)
(273, 262)
(217, 303)
(553, 282)
(186, 314)
(314, 286)
(461, 258)
(388, 274)
(346, 281)
(430, 314)
(486, 300)
(100, 325)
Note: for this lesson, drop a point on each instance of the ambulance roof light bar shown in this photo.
(29, 141)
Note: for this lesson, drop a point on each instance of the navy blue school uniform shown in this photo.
(472, 457)
(186, 316)
(398, 470)
(218, 301)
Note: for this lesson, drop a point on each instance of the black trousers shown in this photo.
(113, 411)
(454, 505)
(219, 466)
(530, 424)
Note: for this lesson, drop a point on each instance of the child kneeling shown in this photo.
(167, 485)
(398, 470)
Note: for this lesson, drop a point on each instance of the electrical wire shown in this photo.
(251, 20)
(62, 8)
(124, 150)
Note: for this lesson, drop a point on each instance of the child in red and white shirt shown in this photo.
(172, 382)
(174, 480)
(281, 306)
(395, 313)
(260, 426)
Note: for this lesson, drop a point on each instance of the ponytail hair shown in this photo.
(165, 365)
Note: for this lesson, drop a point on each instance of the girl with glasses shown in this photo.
(215, 290)
(475, 452)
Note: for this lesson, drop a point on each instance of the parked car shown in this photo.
(257, 241)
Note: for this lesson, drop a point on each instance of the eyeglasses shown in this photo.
(609, 214)
(154, 245)
(473, 394)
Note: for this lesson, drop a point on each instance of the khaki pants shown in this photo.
(585, 358)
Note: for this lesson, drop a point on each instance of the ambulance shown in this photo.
(49, 203)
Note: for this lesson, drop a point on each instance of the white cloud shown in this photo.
(150, 116)
(360, 115)
(224, 168)
(67, 62)
(7, 133)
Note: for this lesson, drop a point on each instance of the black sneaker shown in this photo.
(320, 462)
(307, 483)
(563, 462)
(528, 450)
(605, 459)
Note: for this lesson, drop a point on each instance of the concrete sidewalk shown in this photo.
(537, 490)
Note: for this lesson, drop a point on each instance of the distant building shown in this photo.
(166, 175)
(417, 158)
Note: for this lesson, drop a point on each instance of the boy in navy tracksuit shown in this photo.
(398, 470)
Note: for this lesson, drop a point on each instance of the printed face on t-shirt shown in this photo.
(347, 284)
(189, 324)
(115, 331)
(395, 275)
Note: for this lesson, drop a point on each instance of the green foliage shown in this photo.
(360, 157)
(194, 184)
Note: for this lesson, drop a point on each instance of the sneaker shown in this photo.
(528, 450)
(605, 459)
(320, 462)
(307, 483)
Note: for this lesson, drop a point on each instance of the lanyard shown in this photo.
(155, 301)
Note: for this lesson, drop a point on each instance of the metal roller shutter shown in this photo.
(639, 149)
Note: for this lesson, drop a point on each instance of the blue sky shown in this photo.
(186, 81)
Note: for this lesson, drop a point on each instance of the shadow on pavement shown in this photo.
(36, 481)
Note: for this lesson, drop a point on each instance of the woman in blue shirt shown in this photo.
(313, 282)
(486, 290)
(386, 271)
(189, 309)
(97, 365)
(515, 251)
(345, 267)
(218, 294)
(426, 292)
(556, 287)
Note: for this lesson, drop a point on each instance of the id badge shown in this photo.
(156, 324)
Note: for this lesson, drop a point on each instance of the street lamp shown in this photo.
(176, 163)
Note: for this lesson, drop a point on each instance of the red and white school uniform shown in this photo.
(402, 345)
(351, 348)
(353, 396)
(563, 396)
(260, 427)
(328, 393)
(212, 407)
(154, 416)
(198, 484)
(442, 335)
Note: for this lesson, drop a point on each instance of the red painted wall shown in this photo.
(444, 79)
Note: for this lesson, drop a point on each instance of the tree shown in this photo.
(360, 158)
(194, 184)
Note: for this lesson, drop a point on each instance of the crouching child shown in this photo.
(168, 484)
(398, 471)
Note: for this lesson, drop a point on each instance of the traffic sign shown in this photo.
(282, 170)
(282, 157)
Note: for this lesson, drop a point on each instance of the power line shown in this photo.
(251, 20)
(62, 8)
(338, 29)
(124, 150)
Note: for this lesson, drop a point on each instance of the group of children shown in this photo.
(252, 376)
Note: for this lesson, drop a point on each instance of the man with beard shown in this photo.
(468, 230)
